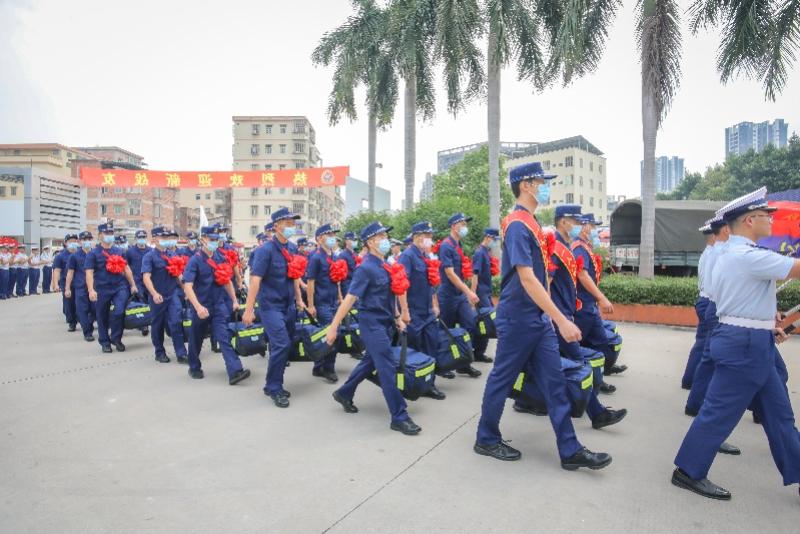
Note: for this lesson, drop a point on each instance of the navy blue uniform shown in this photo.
(169, 312)
(350, 257)
(111, 289)
(423, 331)
(67, 304)
(135, 255)
(326, 298)
(84, 308)
(482, 268)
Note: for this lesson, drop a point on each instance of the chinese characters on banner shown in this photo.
(311, 177)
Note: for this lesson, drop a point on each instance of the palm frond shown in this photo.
(780, 54)
(526, 36)
(744, 38)
(658, 37)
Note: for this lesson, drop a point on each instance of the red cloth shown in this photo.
(115, 264)
(223, 272)
(175, 264)
(295, 265)
(494, 266)
(231, 255)
(434, 277)
(435, 247)
(397, 273)
(359, 259)
(337, 270)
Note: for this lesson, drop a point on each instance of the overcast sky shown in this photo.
(163, 78)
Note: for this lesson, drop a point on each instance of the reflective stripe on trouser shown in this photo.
(279, 327)
(459, 311)
(745, 372)
(377, 338)
(217, 321)
(110, 323)
(696, 354)
(324, 317)
(168, 313)
(520, 342)
(84, 310)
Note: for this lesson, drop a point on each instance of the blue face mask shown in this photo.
(88, 244)
(543, 193)
(330, 242)
(213, 246)
(463, 231)
(141, 242)
(384, 246)
(72, 246)
(124, 246)
(163, 243)
(193, 242)
(575, 231)
(108, 239)
(223, 237)
(595, 242)
(288, 232)
(594, 233)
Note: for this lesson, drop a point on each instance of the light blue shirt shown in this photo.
(701, 268)
(708, 268)
(743, 279)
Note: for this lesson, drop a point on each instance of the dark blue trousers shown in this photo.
(522, 341)
(12, 281)
(22, 281)
(168, 314)
(47, 278)
(110, 323)
(83, 310)
(3, 284)
(700, 337)
(218, 315)
(593, 332)
(745, 373)
(377, 338)
(33, 280)
(458, 311)
(705, 367)
(325, 315)
(279, 326)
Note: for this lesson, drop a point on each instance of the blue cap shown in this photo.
(350, 235)
(491, 232)
(106, 228)
(325, 229)
(422, 227)
(140, 233)
(157, 231)
(169, 232)
(588, 218)
(705, 229)
(755, 201)
(210, 231)
(121, 239)
(568, 210)
(282, 214)
(527, 171)
(86, 234)
(409, 238)
(457, 218)
(191, 235)
(221, 227)
(260, 236)
(302, 241)
(716, 222)
(75, 236)
(374, 229)
(269, 227)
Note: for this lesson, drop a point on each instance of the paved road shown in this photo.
(119, 443)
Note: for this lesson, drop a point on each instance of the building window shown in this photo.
(600, 203)
(253, 230)
(299, 148)
(599, 186)
(546, 165)
(134, 207)
(299, 164)
(256, 129)
(568, 161)
(267, 191)
(298, 190)
(591, 202)
(581, 201)
(218, 209)
(281, 167)
(254, 150)
(197, 196)
(299, 126)
(591, 183)
(580, 181)
(254, 166)
(254, 192)
(283, 128)
(156, 193)
(117, 209)
(56, 152)
(591, 165)
(569, 180)
(157, 211)
(298, 207)
(267, 210)
(219, 194)
(283, 190)
(580, 162)
(283, 149)
(17, 152)
(570, 198)
(254, 211)
(208, 196)
(600, 168)
(268, 129)
(103, 209)
(267, 149)
(2, 191)
(268, 166)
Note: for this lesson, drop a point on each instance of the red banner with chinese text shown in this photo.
(312, 177)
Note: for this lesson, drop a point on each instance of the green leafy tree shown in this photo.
(467, 179)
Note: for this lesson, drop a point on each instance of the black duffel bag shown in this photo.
(247, 340)
(414, 371)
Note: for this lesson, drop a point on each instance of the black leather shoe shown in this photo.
(446, 374)
(215, 348)
(687, 387)
(435, 393)
(182, 359)
(608, 417)
(469, 371)
(71, 328)
(288, 395)
(348, 405)
(279, 399)
(330, 376)
(691, 412)
(703, 487)
(586, 458)
(163, 358)
(196, 373)
(484, 359)
(407, 427)
(107, 348)
(615, 370)
(238, 376)
(359, 356)
(88, 338)
(608, 389)
(119, 346)
(727, 448)
(756, 418)
(524, 408)
(145, 331)
(500, 451)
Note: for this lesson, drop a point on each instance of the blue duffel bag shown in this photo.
(137, 314)
(414, 371)
(455, 348)
(247, 340)
(311, 344)
(348, 340)
(613, 336)
(485, 322)
(579, 388)
(596, 361)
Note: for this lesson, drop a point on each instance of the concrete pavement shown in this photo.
(119, 443)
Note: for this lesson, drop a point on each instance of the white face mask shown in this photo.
(427, 243)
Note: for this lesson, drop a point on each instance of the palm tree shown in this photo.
(360, 51)
(658, 37)
(549, 40)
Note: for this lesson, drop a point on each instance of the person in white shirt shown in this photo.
(5, 265)
(34, 270)
(21, 263)
(46, 261)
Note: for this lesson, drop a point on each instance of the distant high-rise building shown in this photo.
(451, 156)
(356, 197)
(426, 191)
(747, 135)
(669, 173)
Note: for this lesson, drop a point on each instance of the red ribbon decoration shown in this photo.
(358, 260)
(579, 264)
(434, 278)
(435, 247)
(337, 271)
(397, 273)
(494, 266)
(115, 264)
(295, 265)
(223, 272)
(175, 264)
(231, 255)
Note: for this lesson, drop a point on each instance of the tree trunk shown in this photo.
(649, 133)
(371, 147)
(493, 122)
(410, 138)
